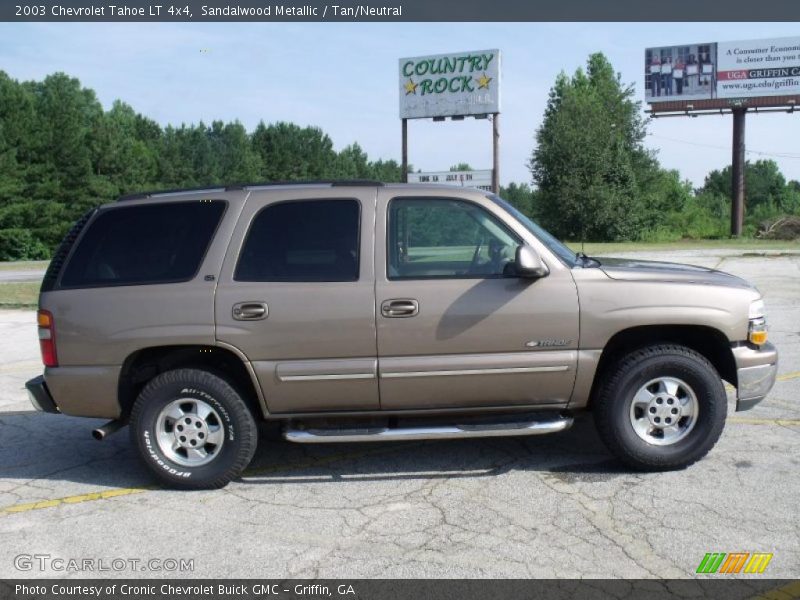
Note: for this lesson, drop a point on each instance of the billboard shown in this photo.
(723, 70)
(447, 85)
(476, 179)
(680, 72)
(759, 68)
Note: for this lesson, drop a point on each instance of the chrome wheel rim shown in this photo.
(189, 432)
(664, 411)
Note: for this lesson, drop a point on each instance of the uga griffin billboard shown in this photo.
(723, 70)
(448, 85)
(759, 68)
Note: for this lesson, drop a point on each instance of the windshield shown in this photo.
(554, 245)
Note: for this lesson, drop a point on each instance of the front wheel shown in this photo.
(663, 407)
(193, 430)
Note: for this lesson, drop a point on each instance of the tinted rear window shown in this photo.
(304, 240)
(154, 243)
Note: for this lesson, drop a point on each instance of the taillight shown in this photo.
(47, 338)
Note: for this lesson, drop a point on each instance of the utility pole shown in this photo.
(738, 172)
(405, 151)
(496, 153)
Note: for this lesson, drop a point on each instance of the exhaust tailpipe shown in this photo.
(106, 430)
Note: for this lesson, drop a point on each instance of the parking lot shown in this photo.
(550, 506)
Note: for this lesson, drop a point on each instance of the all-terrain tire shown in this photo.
(613, 413)
(228, 419)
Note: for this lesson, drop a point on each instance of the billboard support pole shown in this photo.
(738, 172)
(404, 177)
(496, 153)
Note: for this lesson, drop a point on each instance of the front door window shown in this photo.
(435, 238)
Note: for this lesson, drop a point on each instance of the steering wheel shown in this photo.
(475, 255)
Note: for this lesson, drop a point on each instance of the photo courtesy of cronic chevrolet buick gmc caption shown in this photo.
(182, 590)
(331, 308)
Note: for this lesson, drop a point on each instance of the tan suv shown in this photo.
(358, 311)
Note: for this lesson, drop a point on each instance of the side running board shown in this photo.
(553, 424)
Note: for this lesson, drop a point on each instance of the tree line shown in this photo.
(592, 178)
(61, 154)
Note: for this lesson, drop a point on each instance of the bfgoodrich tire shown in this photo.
(662, 407)
(193, 430)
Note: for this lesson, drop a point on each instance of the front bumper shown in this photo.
(40, 396)
(756, 369)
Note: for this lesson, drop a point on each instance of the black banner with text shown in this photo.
(397, 10)
(397, 589)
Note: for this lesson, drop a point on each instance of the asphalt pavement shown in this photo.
(20, 275)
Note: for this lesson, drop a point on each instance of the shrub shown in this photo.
(21, 244)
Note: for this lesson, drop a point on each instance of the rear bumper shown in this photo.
(85, 391)
(40, 396)
(756, 370)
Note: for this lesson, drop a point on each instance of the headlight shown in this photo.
(757, 332)
(756, 309)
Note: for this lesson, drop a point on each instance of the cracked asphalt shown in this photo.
(549, 506)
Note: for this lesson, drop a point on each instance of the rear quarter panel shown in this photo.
(98, 328)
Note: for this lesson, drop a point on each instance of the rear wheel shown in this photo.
(662, 407)
(193, 429)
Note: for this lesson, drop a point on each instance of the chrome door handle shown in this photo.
(250, 311)
(401, 307)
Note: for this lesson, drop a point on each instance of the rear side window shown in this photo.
(57, 262)
(305, 240)
(143, 244)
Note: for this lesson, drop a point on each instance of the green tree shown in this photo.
(389, 171)
(61, 165)
(237, 161)
(291, 152)
(589, 148)
(21, 243)
(521, 196)
(352, 163)
(126, 162)
(175, 168)
(793, 197)
(17, 123)
(462, 166)
(61, 153)
(11, 179)
(765, 186)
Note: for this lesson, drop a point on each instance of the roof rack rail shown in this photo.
(242, 186)
(364, 182)
(331, 182)
(150, 194)
(138, 196)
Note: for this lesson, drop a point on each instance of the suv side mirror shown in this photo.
(529, 264)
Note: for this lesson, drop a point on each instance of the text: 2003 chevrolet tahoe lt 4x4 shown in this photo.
(360, 311)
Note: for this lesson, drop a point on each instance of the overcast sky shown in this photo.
(343, 78)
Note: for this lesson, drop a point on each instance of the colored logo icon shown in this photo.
(733, 563)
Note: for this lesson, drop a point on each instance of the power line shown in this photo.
(663, 137)
(701, 145)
